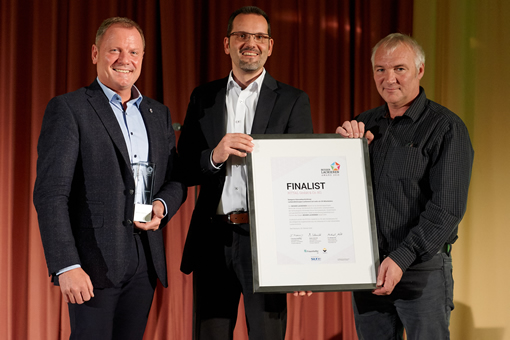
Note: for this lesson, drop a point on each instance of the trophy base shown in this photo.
(143, 212)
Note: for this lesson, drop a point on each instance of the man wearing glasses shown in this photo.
(213, 145)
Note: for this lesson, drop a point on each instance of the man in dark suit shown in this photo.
(213, 145)
(106, 264)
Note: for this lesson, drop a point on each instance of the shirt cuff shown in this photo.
(66, 269)
(159, 199)
(217, 167)
(403, 257)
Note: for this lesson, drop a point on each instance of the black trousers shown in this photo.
(120, 312)
(225, 273)
(421, 303)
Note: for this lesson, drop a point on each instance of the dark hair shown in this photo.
(124, 22)
(248, 10)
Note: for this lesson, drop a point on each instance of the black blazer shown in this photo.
(280, 109)
(84, 187)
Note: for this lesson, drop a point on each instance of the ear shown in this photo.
(226, 45)
(421, 71)
(95, 53)
(270, 47)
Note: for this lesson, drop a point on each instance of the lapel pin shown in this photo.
(150, 110)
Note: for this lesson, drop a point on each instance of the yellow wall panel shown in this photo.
(467, 46)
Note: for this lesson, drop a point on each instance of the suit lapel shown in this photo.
(151, 125)
(265, 105)
(213, 122)
(103, 109)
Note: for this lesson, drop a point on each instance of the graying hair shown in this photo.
(394, 40)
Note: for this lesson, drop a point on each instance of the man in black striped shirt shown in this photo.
(421, 159)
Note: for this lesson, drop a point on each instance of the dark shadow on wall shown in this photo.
(462, 326)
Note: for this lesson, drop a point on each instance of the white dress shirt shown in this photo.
(240, 106)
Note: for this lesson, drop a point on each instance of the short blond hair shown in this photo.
(124, 22)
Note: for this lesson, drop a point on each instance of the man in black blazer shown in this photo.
(106, 264)
(213, 145)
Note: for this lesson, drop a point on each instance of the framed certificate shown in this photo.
(311, 214)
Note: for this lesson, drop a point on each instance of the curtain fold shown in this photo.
(322, 47)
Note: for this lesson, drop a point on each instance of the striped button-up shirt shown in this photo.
(421, 167)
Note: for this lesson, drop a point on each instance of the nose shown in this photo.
(390, 77)
(250, 41)
(124, 57)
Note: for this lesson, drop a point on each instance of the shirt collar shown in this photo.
(418, 106)
(114, 97)
(414, 111)
(254, 86)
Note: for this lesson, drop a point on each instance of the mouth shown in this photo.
(249, 53)
(122, 71)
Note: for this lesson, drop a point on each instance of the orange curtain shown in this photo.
(321, 46)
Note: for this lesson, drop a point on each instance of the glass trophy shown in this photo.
(143, 173)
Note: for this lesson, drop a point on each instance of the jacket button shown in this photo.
(131, 192)
(128, 222)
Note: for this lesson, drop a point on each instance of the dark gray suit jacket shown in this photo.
(280, 109)
(84, 187)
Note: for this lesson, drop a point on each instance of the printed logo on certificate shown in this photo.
(315, 224)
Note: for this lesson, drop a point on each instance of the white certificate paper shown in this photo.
(312, 210)
(311, 214)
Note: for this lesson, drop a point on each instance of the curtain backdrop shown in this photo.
(321, 46)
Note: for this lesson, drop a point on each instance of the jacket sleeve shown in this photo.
(58, 150)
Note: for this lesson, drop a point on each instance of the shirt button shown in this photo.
(236, 188)
(135, 156)
(131, 133)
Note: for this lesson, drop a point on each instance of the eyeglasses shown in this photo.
(245, 37)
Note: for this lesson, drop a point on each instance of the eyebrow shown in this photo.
(260, 33)
(399, 65)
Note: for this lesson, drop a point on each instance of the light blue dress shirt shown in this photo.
(130, 122)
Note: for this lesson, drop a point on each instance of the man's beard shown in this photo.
(249, 66)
